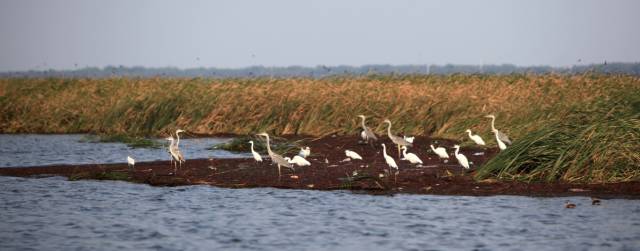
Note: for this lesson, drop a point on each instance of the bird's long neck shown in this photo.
(457, 149)
(362, 122)
(252, 147)
(389, 130)
(470, 134)
(493, 123)
(268, 146)
(384, 150)
(433, 148)
(404, 152)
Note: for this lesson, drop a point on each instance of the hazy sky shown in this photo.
(60, 34)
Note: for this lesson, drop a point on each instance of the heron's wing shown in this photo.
(280, 160)
(504, 138)
(401, 141)
(370, 134)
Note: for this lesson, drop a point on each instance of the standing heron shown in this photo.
(461, 158)
(275, 158)
(503, 137)
(178, 137)
(399, 141)
(176, 155)
(390, 161)
(256, 155)
(476, 138)
(367, 134)
(411, 157)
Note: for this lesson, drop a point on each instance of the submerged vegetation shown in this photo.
(576, 128)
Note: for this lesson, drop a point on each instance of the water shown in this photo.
(55, 214)
(37, 150)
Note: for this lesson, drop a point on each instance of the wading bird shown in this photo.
(440, 151)
(396, 140)
(461, 158)
(367, 134)
(501, 144)
(176, 155)
(411, 157)
(304, 152)
(390, 162)
(275, 158)
(476, 138)
(131, 162)
(298, 160)
(256, 155)
(503, 137)
(352, 154)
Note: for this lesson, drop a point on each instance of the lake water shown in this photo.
(37, 150)
(55, 214)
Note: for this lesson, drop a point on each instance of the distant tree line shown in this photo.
(325, 71)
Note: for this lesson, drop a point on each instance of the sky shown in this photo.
(70, 34)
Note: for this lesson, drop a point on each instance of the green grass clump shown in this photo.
(598, 143)
(130, 141)
(241, 144)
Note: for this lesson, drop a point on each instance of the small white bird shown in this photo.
(476, 138)
(501, 144)
(352, 154)
(409, 139)
(256, 155)
(131, 162)
(298, 160)
(410, 156)
(441, 152)
(390, 161)
(304, 152)
(461, 158)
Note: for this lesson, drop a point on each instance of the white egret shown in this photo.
(256, 155)
(408, 139)
(367, 134)
(276, 158)
(461, 158)
(352, 154)
(476, 138)
(390, 161)
(131, 162)
(304, 152)
(501, 144)
(503, 137)
(396, 140)
(298, 160)
(411, 157)
(440, 151)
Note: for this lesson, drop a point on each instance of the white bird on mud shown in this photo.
(298, 160)
(256, 155)
(367, 134)
(396, 139)
(176, 155)
(390, 161)
(411, 157)
(501, 144)
(304, 152)
(276, 158)
(503, 137)
(476, 138)
(440, 151)
(352, 154)
(461, 158)
(131, 162)
(409, 139)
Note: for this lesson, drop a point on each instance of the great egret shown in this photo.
(256, 155)
(352, 154)
(275, 158)
(476, 138)
(131, 162)
(367, 134)
(396, 140)
(461, 158)
(501, 144)
(176, 155)
(390, 162)
(304, 152)
(409, 139)
(440, 151)
(410, 156)
(503, 137)
(298, 160)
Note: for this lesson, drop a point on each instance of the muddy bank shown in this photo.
(330, 171)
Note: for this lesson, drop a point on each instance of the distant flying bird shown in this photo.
(396, 140)
(299, 161)
(131, 162)
(476, 138)
(305, 152)
(352, 154)
(410, 156)
(367, 134)
(256, 155)
(503, 137)
(276, 158)
(441, 152)
(461, 158)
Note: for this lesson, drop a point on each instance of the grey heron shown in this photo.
(476, 138)
(399, 141)
(503, 137)
(367, 134)
(176, 155)
(501, 144)
(275, 158)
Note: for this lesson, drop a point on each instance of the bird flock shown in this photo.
(367, 135)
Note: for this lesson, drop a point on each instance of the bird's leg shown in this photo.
(399, 156)
(279, 173)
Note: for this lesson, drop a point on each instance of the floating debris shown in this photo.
(294, 176)
(346, 160)
(578, 190)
